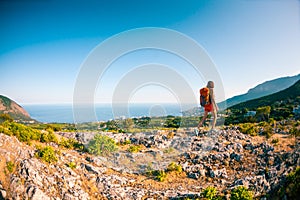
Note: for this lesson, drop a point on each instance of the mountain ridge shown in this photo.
(17, 112)
(289, 94)
(264, 89)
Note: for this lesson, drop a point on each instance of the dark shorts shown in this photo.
(208, 108)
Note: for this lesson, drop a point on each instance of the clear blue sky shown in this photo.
(43, 43)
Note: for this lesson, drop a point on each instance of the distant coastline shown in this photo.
(63, 113)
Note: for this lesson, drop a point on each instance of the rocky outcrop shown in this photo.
(223, 159)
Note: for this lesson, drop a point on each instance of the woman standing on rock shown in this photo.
(210, 105)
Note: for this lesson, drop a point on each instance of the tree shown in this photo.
(128, 123)
(112, 125)
(6, 117)
(102, 145)
(172, 122)
(142, 122)
(263, 113)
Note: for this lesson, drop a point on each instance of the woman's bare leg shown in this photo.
(203, 119)
(214, 114)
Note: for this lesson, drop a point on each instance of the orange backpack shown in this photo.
(204, 96)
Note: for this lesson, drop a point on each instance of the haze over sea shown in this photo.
(63, 113)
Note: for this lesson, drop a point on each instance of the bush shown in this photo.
(48, 137)
(159, 175)
(22, 132)
(47, 154)
(5, 117)
(125, 142)
(267, 131)
(210, 193)
(174, 167)
(102, 145)
(134, 148)
(294, 132)
(241, 193)
(10, 166)
(249, 128)
(275, 141)
(5, 130)
(72, 165)
(291, 188)
(71, 144)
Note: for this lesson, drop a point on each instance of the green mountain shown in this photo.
(289, 97)
(264, 89)
(8, 106)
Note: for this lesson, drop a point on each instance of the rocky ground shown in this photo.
(223, 159)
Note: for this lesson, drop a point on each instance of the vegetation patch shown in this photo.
(174, 167)
(134, 148)
(47, 154)
(22, 132)
(102, 145)
(249, 128)
(159, 175)
(71, 165)
(71, 143)
(10, 166)
(291, 187)
(209, 193)
(241, 193)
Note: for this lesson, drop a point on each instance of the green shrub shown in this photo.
(294, 132)
(125, 142)
(134, 148)
(5, 117)
(174, 167)
(292, 186)
(72, 165)
(22, 132)
(249, 128)
(209, 193)
(48, 136)
(47, 154)
(275, 140)
(241, 193)
(5, 130)
(10, 166)
(267, 131)
(71, 143)
(159, 175)
(102, 145)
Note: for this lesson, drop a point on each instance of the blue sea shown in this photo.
(63, 113)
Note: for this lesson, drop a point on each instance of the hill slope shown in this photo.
(287, 97)
(224, 159)
(13, 109)
(266, 88)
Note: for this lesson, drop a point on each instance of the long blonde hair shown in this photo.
(210, 84)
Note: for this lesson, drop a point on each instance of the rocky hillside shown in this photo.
(13, 109)
(223, 159)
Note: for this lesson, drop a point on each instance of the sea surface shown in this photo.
(63, 113)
